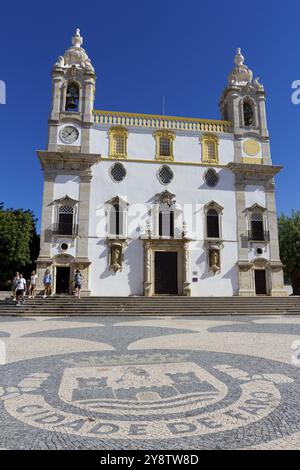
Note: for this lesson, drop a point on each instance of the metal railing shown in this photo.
(257, 236)
(64, 229)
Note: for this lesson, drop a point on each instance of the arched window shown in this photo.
(212, 224)
(72, 97)
(116, 217)
(118, 142)
(116, 220)
(166, 223)
(210, 148)
(248, 114)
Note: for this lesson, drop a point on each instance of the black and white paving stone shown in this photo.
(150, 383)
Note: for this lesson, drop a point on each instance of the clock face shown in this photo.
(69, 134)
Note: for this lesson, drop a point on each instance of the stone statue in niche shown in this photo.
(214, 260)
(116, 257)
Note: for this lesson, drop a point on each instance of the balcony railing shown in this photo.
(254, 236)
(64, 229)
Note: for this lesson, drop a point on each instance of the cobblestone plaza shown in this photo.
(217, 382)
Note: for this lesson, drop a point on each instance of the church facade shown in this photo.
(158, 205)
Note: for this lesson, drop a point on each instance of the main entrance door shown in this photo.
(166, 279)
(62, 280)
(260, 282)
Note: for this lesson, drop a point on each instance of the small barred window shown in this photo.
(256, 217)
(119, 144)
(164, 146)
(66, 210)
(211, 151)
(211, 177)
(117, 172)
(165, 174)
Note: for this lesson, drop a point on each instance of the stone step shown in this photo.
(162, 305)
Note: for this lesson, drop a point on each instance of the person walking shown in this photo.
(78, 283)
(20, 288)
(14, 285)
(32, 285)
(47, 283)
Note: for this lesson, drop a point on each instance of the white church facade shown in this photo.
(158, 205)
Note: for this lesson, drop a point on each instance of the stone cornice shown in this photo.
(253, 171)
(60, 161)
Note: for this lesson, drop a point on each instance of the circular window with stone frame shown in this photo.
(117, 172)
(211, 177)
(165, 175)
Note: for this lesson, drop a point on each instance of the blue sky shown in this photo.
(142, 50)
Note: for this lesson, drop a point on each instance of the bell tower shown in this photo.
(243, 103)
(67, 166)
(73, 92)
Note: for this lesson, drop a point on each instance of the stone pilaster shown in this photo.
(147, 268)
(185, 269)
(47, 211)
(44, 260)
(82, 255)
(246, 279)
(277, 281)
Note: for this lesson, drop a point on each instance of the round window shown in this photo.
(117, 172)
(64, 246)
(211, 177)
(165, 174)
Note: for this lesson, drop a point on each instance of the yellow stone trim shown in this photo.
(117, 131)
(139, 160)
(251, 147)
(116, 118)
(167, 135)
(209, 139)
(254, 160)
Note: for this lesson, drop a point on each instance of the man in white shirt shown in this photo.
(20, 288)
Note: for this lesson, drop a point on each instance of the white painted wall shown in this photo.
(141, 145)
(255, 195)
(139, 189)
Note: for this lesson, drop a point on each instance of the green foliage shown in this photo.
(18, 241)
(289, 241)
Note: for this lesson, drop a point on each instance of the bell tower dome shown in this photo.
(73, 92)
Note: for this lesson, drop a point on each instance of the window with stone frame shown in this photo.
(210, 143)
(164, 145)
(257, 226)
(213, 215)
(117, 209)
(65, 220)
(118, 136)
(166, 223)
(212, 224)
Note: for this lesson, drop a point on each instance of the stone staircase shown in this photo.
(162, 305)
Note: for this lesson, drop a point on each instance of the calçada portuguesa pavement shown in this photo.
(216, 382)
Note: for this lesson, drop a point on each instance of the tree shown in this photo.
(18, 242)
(289, 242)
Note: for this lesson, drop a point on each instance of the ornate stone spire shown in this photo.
(77, 40)
(75, 55)
(241, 74)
